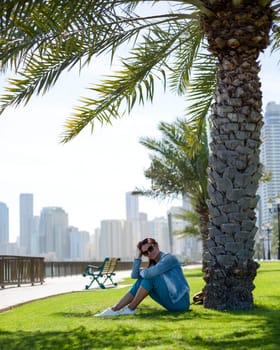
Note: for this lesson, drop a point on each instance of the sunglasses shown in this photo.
(149, 250)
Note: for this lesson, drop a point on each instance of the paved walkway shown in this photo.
(12, 296)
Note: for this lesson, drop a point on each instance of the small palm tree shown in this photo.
(174, 172)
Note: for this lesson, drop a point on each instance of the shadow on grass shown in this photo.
(79, 338)
(130, 333)
(155, 328)
(145, 313)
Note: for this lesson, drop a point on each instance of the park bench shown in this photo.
(102, 273)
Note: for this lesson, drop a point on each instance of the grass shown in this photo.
(67, 322)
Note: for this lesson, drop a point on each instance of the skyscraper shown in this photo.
(26, 221)
(78, 244)
(4, 224)
(133, 217)
(112, 242)
(53, 232)
(132, 206)
(270, 158)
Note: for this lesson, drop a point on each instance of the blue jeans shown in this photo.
(158, 291)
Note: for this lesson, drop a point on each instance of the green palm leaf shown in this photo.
(134, 83)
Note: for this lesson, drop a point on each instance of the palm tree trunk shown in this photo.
(203, 212)
(233, 180)
(236, 35)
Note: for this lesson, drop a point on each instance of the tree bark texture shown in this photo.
(203, 213)
(236, 35)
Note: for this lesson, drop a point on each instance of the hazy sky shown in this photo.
(89, 176)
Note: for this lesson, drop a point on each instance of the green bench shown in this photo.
(102, 273)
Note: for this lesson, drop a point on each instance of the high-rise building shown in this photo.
(35, 238)
(26, 221)
(4, 224)
(159, 230)
(133, 217)
(144, 226)
(132, 206)
(78, 244)
(53, 232)
(111, 243)
(270, 158)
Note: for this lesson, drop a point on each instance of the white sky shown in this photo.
(89, 176)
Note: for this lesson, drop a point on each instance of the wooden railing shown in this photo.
(71, 268)
(17, 270)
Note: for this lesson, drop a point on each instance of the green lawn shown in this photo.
(67, 322)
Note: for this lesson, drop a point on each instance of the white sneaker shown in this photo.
(107, 312)
(126, 311)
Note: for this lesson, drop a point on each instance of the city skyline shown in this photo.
(26, 203)
(270, 158)
(89, 176)
(50, 235)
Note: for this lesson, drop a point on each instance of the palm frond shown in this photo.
(172, 170)
(275, 41)
(135, 82)
(41, 39)
(44, 26)
(192, 222)
(200, 95)
(38, 77)
(79, 28)
(184, 57)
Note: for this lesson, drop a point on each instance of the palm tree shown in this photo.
(192, 226)
(208, 48)
(174, 173)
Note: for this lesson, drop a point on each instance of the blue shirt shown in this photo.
(171, 271)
